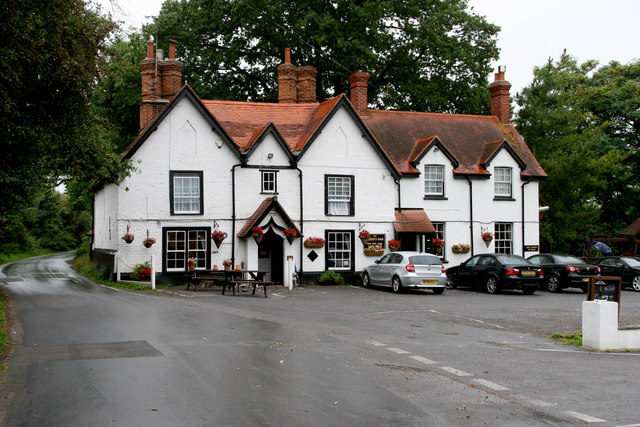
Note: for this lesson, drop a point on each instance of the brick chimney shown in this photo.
(500, 100)
(161, 81)
(287, 80)
(358, 83)
(306, 84)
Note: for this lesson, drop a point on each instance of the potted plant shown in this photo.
(257, 234)
(438, 243)
(374, 250)
(364, 237)
(148, 242)
(218, 236)
(394, 245)
(192, 262)
(227, 264)
(461, 248)
(313, 242)
(487, 237)
(128, 237)
(291, 234)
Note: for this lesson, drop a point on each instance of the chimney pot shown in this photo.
(150, 48)
(160, 54)
(287, 55)
(172, 49)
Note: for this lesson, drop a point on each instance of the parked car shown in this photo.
(564, 271)
(402, 270)
(493, 272)
(626, 267)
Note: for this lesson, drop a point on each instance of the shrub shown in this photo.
(330, 277)
(141, 272)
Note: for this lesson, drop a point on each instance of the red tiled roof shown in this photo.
(413, 221)
(465, 137)
(632, 229)
(264, 208)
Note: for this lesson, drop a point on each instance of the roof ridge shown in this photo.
(430, 113)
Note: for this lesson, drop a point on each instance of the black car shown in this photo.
(494, 272)
(564, 271)
(627, 267)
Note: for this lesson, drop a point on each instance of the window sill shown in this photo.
(274, 193)
(186, 214)
(435, 198)
(503, 199)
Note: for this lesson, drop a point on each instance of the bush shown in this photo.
(330, 277)
(142, 272)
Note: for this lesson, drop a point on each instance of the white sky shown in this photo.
(532, 30)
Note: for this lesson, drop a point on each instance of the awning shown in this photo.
(268, 204)
(413, 221)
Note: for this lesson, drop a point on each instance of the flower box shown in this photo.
(314, 242)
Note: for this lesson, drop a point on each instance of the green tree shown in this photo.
(579, 122)
(426, 55)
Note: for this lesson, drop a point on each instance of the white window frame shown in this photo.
(434, 180)
(440, 227)
(182, 244)
(503, 237)
(339, 250)
(186, 193)
(269, 181)
(339, 200)
(502, 182)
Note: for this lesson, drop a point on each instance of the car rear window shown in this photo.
(568, 259)
(424, 260)
(632, 262)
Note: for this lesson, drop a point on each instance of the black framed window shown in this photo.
(269, 181)
(503, 238)
(180, 244)
(339, 250)
(434, 180)
(186, 190)
(502, 182)
(339, 195)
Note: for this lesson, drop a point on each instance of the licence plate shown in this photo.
(586, 279)
(528, 273)
(429, 282)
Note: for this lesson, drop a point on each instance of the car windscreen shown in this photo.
(568, 259)
(632, 262)
(424, 260)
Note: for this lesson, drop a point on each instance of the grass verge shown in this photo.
(84, 266)
(573, 339)
(4, 335)
(5, 258)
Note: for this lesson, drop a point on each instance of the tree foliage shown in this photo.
(426, 55)
(581, 121)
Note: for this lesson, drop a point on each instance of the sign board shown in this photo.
(376, 240)
(604, 288)
(531, 248)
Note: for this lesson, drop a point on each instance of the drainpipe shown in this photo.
(233, 213)
(397, 181)
(522, 188)
(301, 272)
(470, 213)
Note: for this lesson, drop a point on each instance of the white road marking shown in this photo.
(423, 360)
(455, 371)
(631, 425)
(538, 402)
(393, 311)
(377, 344)
(397, 350)
(583, 417)
(491, 385)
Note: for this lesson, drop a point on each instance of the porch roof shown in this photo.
(413, 221)
(265, 207)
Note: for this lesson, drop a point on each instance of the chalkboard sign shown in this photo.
(604, 288)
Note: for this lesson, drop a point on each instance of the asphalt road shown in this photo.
(318, 356)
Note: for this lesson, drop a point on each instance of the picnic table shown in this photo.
(230, 279)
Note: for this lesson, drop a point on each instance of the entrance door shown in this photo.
(271, 256)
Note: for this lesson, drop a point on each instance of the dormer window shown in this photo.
(502, 182)
(434, 180)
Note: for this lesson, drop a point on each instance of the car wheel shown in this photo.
(438, 291)
(365, 280)
(450, 283)
(529, 290)
(635, 283)
(553, 283)
(492, 285)
(396, 285)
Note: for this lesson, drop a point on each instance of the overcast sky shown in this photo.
(532, 30)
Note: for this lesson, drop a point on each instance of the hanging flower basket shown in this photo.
(487, 237)
(438, 243)
(218, 236)
(128, 237)
(460, 248)
(394, 245)
(291, 234)
(314, 242)
(257, 234)
(374, 251)
(148, 242)
(364, 237)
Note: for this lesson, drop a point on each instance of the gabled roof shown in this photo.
(260, 134)
(464, 136)
(421, 148)
(492, 149)
(268, 204)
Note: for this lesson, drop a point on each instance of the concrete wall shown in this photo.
(600, 328)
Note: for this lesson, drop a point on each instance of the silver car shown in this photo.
(402, 270)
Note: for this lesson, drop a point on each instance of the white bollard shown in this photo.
(117, 268)
(600, 325)
(153, 272)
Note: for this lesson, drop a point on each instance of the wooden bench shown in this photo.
(196, 280)
(253, 282)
